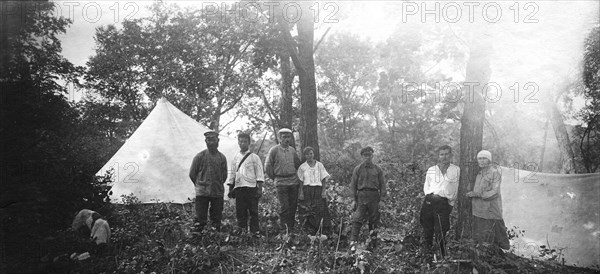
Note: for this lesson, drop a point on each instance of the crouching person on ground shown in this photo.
(100, 236)
(90, 225)
(82, 224)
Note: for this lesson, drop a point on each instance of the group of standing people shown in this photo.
(296, 182)
(302, 185)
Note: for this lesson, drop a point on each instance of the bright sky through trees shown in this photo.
(534, 42)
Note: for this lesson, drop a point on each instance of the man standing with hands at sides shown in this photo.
(368, 189)
(440, 188)
(245, 185)
(208, 173)
(281, 165)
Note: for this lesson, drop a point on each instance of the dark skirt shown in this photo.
(313, 209)
(490, 231)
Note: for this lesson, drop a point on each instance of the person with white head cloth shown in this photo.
(486, 200)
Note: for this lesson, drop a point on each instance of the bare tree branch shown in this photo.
(291, 47)
(321, 40)
(232, 120)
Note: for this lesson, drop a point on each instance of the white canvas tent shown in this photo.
(154, 162)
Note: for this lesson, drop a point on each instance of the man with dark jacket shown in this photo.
(281, 166)
(208, 173)
(367, 188)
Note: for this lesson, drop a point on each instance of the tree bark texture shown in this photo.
(305, 66)
(560, 131)
(471, 130)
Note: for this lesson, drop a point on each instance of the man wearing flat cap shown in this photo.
(486, 201)
(368, 188)
(281, 165)
(208, 173)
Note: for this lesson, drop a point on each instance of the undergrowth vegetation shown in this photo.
(159, 238)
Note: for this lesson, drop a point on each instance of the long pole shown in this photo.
(261, 143)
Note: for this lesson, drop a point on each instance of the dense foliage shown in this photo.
(52, 148)
(158, 238)
(48, 160)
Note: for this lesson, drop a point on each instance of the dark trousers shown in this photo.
(435, 218)
(367, 208)
(288, 200)
(246, 205)
(209, 206)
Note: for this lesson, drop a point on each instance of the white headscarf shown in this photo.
(485, 154)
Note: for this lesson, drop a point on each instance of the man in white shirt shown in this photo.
(245, 185)
(440, 188)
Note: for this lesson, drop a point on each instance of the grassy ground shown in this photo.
(158, 238)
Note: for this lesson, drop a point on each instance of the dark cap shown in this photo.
(211, 133)
(366, 149)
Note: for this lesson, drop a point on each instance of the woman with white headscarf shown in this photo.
(486, 200)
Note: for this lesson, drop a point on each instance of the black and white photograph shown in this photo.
(246, 136)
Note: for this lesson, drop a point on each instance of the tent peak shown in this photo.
(162, 100)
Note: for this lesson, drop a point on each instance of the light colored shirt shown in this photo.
(250, 172)
(100, 232)
(487, 184)
(445, 185)
(282, 164)
(312, 176)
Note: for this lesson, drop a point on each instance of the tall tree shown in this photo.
(285, 69)
(346, 79)
(45, 173)
(406, 105)
(560, 131)
(587, 135)
(471, 130)
(301, 53)
(204, 63)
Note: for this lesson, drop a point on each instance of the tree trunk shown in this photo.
(216, 118)
(306, 73)
(541, 166)
(286, 115)
(286, 104)
(564, 144)
(471, 130)
(215, 121)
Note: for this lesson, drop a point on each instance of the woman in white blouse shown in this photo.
(313, 204)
